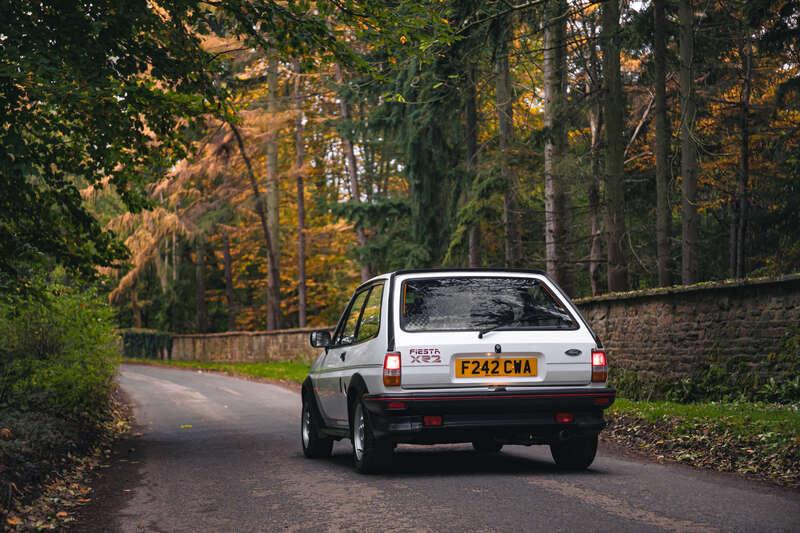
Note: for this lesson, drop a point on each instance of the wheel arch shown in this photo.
(356, 389)
(307, 389)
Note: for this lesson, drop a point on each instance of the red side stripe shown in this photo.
(490, 397)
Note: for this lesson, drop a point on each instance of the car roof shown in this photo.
(443, 270)
(470, 269)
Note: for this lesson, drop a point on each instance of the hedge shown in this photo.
(146, 344)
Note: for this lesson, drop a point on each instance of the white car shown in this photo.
(491, 357)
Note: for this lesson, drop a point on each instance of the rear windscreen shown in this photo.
(462, 304)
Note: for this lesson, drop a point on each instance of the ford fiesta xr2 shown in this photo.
(491, 357)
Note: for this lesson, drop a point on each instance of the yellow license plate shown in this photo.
(496, 367)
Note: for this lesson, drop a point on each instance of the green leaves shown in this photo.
(92, 93)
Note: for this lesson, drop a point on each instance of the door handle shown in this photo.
(341, 355)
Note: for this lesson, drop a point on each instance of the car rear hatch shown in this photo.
(501, 358)
(441, 344)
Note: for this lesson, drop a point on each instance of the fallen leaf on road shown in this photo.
(62, 514)
(6, 434)
(186, 426)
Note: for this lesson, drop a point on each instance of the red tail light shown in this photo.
(431, 420)
(599, 366)
(564, 418)
(391, 369)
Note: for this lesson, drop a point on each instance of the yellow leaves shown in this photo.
(629, 63)
(403, 39)
(13, 521)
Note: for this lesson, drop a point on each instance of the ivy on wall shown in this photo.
(146, 344)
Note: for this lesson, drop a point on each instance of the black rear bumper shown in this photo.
(513, 417)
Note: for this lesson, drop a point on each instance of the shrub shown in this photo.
(59, 353)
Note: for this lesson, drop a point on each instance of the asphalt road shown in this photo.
(223, 454)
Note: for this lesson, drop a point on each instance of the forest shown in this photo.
(243, 164)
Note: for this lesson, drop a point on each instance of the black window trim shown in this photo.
(364, 308)
(555, 296)
(343, 319)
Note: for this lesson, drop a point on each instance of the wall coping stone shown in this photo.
(249, 333)
(729, 284)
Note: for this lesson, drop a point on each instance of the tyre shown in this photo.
(314, 445)
(576, 453)
(370, 455)
(487, 445)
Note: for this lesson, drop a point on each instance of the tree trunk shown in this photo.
(594, 92)
(273, 296)
(352, 167)
(201, 309)
(555, 140)
(300, 154)
(663, 212)
(505, 109)
(273, 194)
(595, 249)
(174, 257)
(688, 148)
(613, 113)
(228, 264)
(746, 54)
(471, 143)
(136, 309)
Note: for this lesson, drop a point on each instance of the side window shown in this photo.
(348, 333)
(371, 317)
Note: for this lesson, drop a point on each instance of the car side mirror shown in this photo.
(320, 339)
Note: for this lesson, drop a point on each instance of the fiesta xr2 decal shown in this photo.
(425, 355)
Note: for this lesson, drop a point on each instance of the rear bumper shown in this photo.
(519, 417)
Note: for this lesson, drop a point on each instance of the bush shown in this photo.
(58, 356)
(59, 353)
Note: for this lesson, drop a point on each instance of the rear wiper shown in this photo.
(526, 316)
(496, 325)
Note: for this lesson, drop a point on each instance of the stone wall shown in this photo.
(667, 333)
(245, 346)
(662, 333)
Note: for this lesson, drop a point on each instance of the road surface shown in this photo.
(223, 454)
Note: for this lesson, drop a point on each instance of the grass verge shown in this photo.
(283, 371)
(754, 439)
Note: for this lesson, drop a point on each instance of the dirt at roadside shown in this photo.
(705, 446)
(68, 490)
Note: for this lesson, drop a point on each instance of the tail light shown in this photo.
(432, 421)
(391, 369)
(565, 418)
(599, 366)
